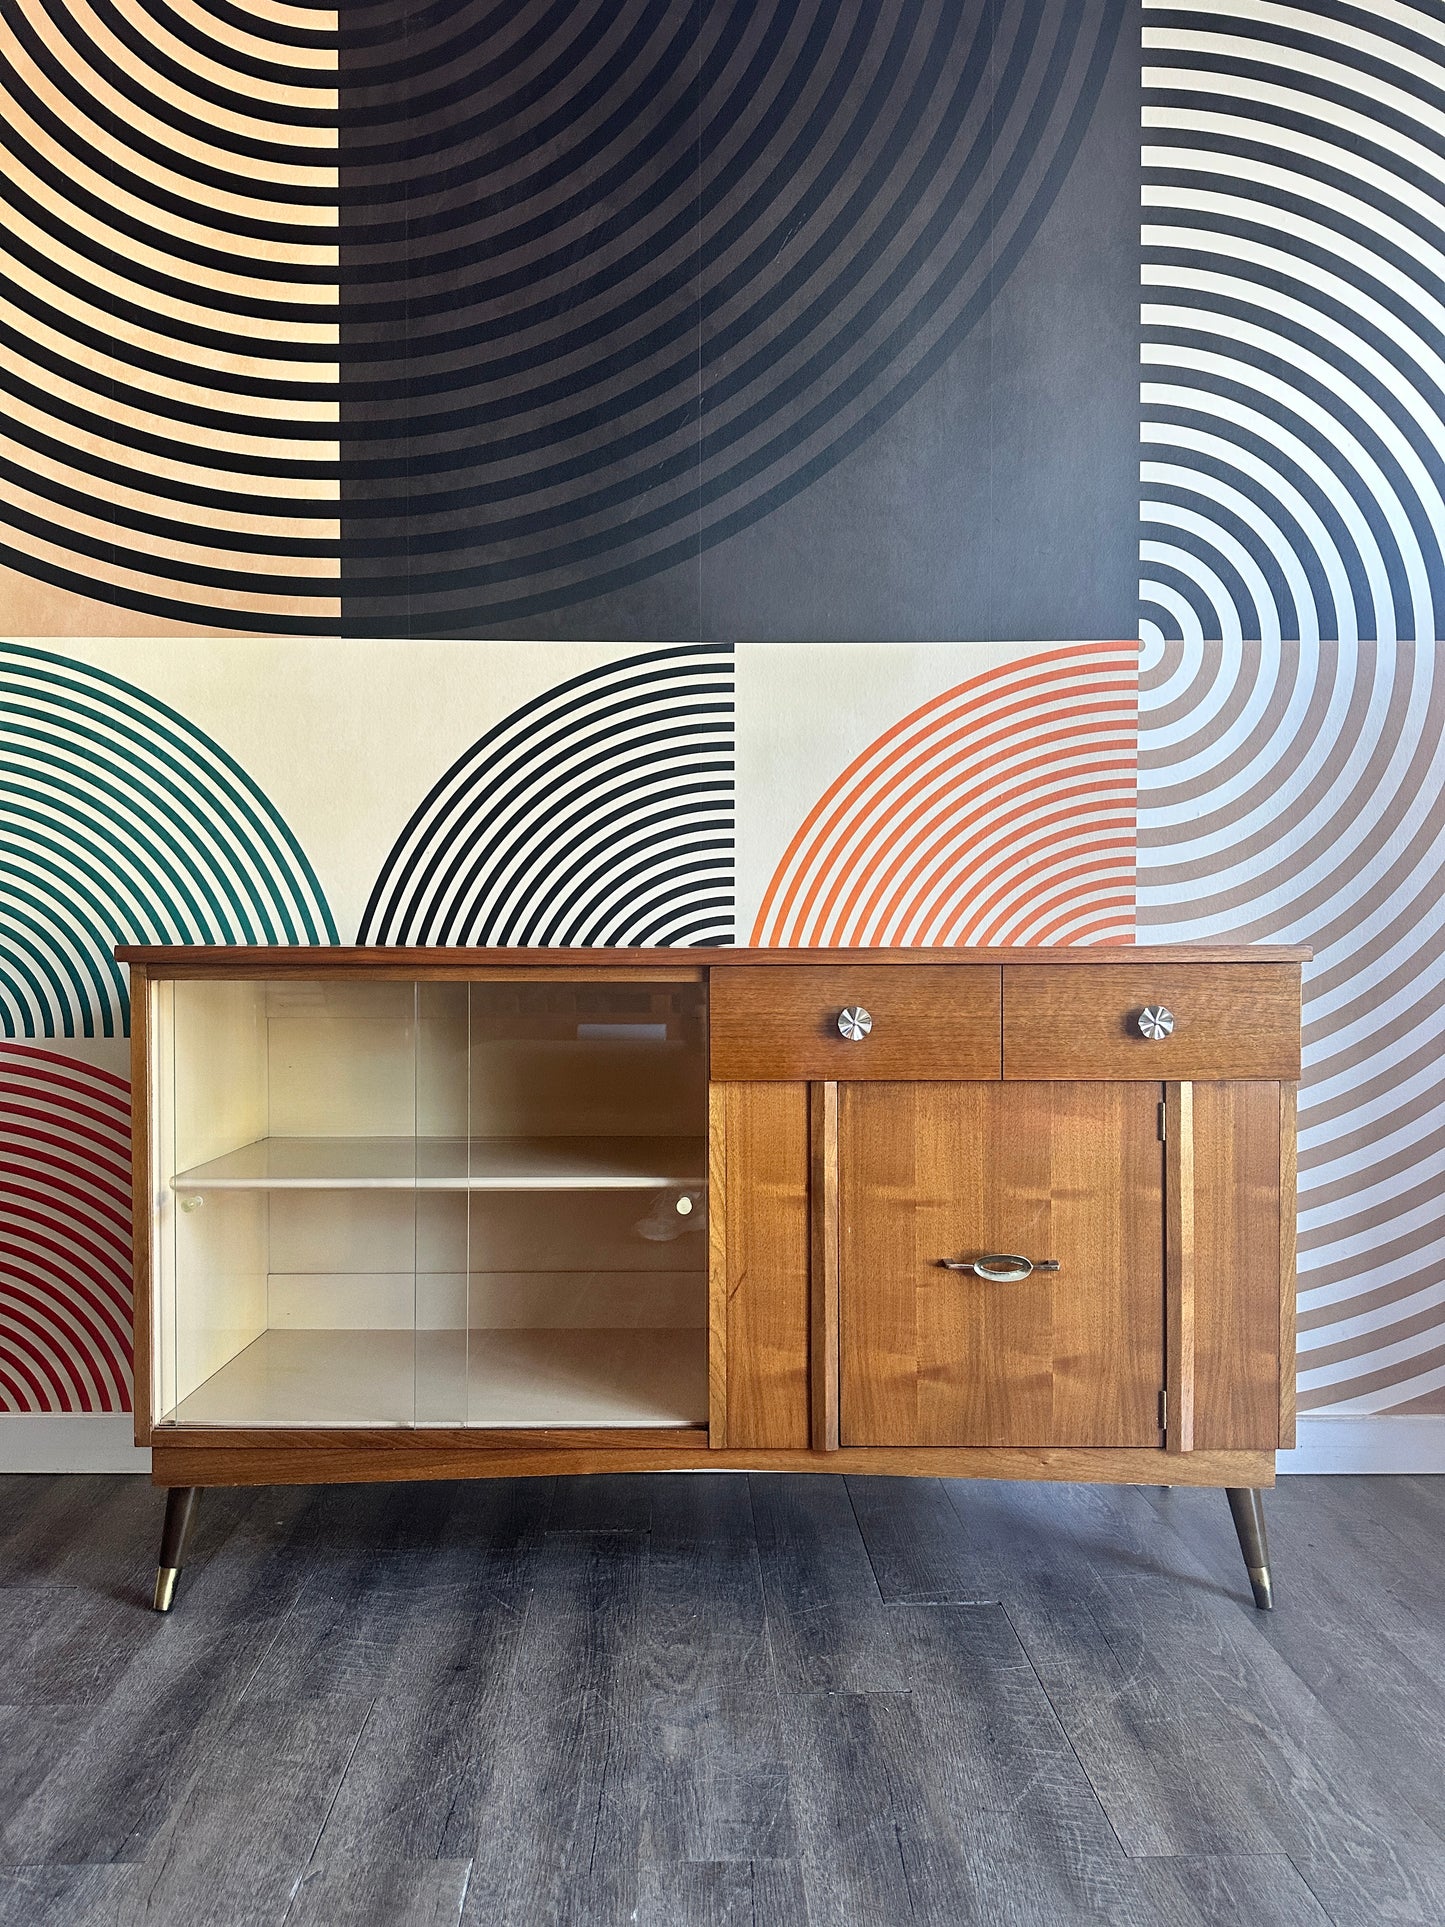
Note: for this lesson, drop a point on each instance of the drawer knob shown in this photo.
(1156, 1023)
(854, 1023)
(1001, 1267)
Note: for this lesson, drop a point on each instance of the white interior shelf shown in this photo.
(452, 1164)
(554, 1378)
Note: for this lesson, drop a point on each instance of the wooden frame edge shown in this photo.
(1288, 1240)
(717, 1277)
(426, 959)
(823, 1332)
(329, 1462)
(408, 1441)
(142, 1188)
(1178, 1269)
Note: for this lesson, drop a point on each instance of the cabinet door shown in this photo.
(1072, 1172)
(761, 1234)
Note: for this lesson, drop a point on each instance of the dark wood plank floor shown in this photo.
(721, 1700)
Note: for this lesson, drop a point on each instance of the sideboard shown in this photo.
(435, 1214)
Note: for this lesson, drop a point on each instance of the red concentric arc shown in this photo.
(65, 1243)
(1002, 811)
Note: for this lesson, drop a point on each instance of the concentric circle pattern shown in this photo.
(1291, 770)
(1000, 812)
(65, 1259)
(168, 255)
(1294, 321)
(120, 822)
(422, 320)
(621, 277)
(1293, 793)
(599, 813)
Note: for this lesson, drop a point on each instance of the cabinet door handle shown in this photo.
(854, 1023)
(1001, 1267)
(1156, 1022)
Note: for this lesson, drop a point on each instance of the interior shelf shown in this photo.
(554, 1378)
(452, 1164)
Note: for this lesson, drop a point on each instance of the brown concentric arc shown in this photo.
(1297, 791)
(169, 332)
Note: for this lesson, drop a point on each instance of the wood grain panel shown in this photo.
(1237, 1253)
(823, 1365)
(335, 1462)
(1288, 1239)
(767, 1245)
(717, 1276)
(933, 1021)
(1230, 1020)
(1179, 1268)
(932, 1357)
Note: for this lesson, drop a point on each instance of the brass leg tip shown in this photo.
(166, 1577)
(1263, 1588)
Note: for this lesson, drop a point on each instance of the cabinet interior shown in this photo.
(439, 1203)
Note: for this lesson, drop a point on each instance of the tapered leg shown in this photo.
(181, 1504)
(1247, 1506)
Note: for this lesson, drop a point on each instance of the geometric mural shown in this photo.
(1294, 388)
(169, 257)
(1292, 774)
(159, 836)
(1293, 793)
(662, 268)
(65, 1274)
(369, 325)
(1000, 812)
(601, 812)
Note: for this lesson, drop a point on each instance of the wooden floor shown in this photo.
(714, 1699)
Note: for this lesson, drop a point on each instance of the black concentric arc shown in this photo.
(601, 812)
(620, 279)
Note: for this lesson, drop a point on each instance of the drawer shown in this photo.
(928, 1021)
(1083, 1020)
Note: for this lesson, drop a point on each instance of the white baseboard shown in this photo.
(71, 1442)
(1328, 1442)
(1366, 1442)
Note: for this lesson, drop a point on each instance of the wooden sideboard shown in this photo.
(429, 1214)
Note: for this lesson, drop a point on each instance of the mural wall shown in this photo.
(674, 471)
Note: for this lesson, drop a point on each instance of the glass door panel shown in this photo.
(587, 1244)
(443, 1096)
(293, 1180)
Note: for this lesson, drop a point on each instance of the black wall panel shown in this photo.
(696, 319)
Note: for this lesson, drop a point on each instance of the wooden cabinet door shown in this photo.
(1072, 1172)
(761, 1235)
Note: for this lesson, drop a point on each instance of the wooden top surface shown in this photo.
(258, 959)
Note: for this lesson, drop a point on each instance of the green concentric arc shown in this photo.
(120, 821)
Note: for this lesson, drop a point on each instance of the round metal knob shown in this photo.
(854, 1023)
(1156, 1023)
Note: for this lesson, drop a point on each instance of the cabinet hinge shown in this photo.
(1163, 1409)
(1163, 1122)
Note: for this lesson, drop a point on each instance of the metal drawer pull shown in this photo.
(854, 1023)
(1155, 1022)
(1000, 1267)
